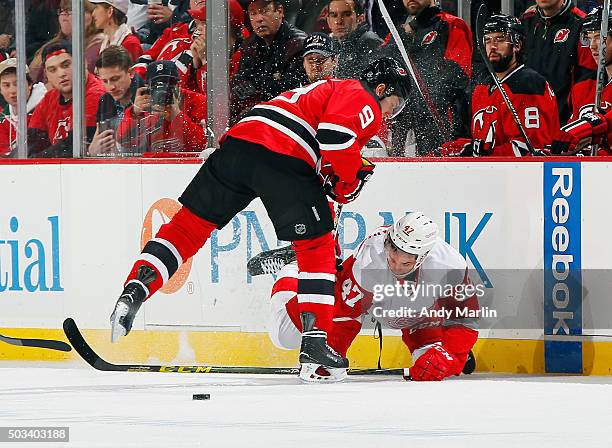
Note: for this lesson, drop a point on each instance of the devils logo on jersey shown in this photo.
(63, 129)
(562, 35)
(429, 38)
(587, 108)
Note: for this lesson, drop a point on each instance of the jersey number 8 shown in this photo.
(532, 118)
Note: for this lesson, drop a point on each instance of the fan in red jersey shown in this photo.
(273, 153)
(408, 252)
(50, 129)
(185, 45)
(493, 128)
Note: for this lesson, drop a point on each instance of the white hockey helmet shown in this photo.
(415, 234)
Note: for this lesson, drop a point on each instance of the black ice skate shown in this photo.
(319, 362)
(129, 302)
(271, 261)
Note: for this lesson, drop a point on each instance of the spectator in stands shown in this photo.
(320, 57)
(41, 24)
(50, 129)
(7, 25)
(167, 14)
(441, 47)
(553, 47)
(111, 17)
(271, 62)
(346, 21)
(582, 95)
(93, 38)
(8, 115)
(493, 129)
(178, 44)
(115, 70)
(164, 116)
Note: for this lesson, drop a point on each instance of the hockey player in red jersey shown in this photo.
(273, 153)
(408, 251)
(582, 95)
(494, 131)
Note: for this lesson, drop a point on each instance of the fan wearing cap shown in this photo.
(493, 129)
(50, 130)
(111, 17)
(407, 252)
(320, 57)
(165, 117)
(8, 115)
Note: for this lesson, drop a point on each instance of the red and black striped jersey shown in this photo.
(582, 96)
(330, 119)
(534, 102)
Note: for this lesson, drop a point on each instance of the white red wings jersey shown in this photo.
(175, 45)
(354, 293)
(331, 119)
(534, 102)
(582, 96)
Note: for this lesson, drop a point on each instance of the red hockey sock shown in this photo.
(174, 243)
(317, 278)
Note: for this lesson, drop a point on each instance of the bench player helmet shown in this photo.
(592, 23)
(502, 23)
(414, 234)
(389, 72)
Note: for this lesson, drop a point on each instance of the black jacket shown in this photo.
(266, 71)
(356, 51)
(553, 49)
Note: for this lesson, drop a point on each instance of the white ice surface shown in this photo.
(156, 410)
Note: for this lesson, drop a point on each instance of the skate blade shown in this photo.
(118, 330)
(316, 373)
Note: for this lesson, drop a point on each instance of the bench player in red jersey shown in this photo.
(274, 153)
(493, 129)
(408, 251)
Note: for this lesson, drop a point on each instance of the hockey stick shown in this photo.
(601, 60)
(93, 359)
(418, 81)
(482, 12)
(48, 344)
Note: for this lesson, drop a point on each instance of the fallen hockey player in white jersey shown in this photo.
(438, 332)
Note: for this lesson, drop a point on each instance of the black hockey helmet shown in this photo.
(389, 72)
(502, 23)
(592, 22)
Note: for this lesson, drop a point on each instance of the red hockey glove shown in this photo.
(462, 147)
(345, 192)
(434, 365)
(590, 129)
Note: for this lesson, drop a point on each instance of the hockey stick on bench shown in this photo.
(48, 344)
(93, 359)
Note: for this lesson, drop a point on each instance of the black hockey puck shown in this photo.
(201, 396)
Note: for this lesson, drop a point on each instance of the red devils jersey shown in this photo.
(330, 118)
(53, 115)
(493, 123)
(174, 45)
(582, 96)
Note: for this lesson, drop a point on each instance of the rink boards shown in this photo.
(536, 234)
